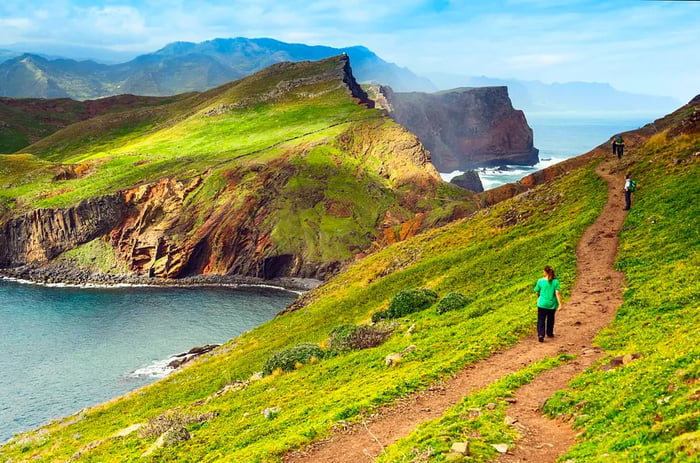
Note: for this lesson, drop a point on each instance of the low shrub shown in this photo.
(453, 301)
(355, 337)
(407, 301)
(478, 311)
(169, 420)
(379, 316)
(175, 435)
(288, 359)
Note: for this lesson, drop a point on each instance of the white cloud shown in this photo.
(19, 24)
(549, 40)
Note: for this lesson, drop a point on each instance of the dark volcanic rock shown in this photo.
(45, 233)
(469, 180)
(464, 128)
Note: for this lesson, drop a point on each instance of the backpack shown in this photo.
(633, 185)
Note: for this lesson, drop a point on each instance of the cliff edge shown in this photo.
(464, 128)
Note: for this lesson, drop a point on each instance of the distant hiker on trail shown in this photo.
(630, 187)
(618, 146)
(549, 300)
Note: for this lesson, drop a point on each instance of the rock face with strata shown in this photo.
(464, 128)
(43, 234)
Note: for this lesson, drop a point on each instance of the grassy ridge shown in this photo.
(493, 257)
(649, 409)
(28, 120)
(284, 164)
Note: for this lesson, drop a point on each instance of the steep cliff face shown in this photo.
(464, 128)
(44, 233)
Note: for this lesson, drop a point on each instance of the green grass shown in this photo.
(127, 149)
(493, 261)
(96, 254)
(649, 410)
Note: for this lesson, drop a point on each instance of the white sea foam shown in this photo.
(144, 285)
(74, 285)
(157, 369)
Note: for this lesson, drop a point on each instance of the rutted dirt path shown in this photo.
(594, 299)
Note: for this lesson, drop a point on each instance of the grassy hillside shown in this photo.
(649, 409)
(26, 121)
(646, 410)
(492, 259)
(284, 165)
(220, 408)
(650, 404)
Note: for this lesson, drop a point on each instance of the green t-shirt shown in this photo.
(547, 291)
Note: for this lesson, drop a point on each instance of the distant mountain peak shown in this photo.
(181, 67)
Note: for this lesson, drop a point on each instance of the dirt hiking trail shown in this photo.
(595, 297)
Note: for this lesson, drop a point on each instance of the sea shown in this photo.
(66, 348)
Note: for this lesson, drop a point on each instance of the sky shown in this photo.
(641, 46)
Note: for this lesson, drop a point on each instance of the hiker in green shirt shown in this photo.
(549, 300)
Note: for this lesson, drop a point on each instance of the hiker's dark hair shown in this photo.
(550, 272)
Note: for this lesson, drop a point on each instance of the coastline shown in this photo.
(63, 275)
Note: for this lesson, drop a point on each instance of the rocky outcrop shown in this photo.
(43, 234)
(469, 180)
(464, 128)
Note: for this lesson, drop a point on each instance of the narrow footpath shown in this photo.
(595, 297)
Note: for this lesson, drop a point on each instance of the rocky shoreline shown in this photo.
(63, 274)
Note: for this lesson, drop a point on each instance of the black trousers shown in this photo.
(545, 322)
(618, 149)
(628, 199)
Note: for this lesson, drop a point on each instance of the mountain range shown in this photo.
(184, 66)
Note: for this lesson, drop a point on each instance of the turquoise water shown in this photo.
(63, 349)
(563, 136)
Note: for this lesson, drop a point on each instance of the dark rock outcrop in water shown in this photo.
(464, 128)
(469, 180)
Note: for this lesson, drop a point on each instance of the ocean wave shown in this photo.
(156, 370)
(23, 281)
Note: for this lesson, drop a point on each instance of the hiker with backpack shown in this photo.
(630, 187)
(618, 146)
(548, 301)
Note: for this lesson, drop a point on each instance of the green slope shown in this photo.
(492, 258)
(26, 121)
(319, 396)
(288, 155)
(649, 409)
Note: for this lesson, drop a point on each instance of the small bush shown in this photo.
(379, 316)
(171, 419)
(478, 312)
(288, 359)
(407, 301)
(175, 435)
(355, 337)
(453, 301)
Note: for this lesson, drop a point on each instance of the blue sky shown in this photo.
(650, 47)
